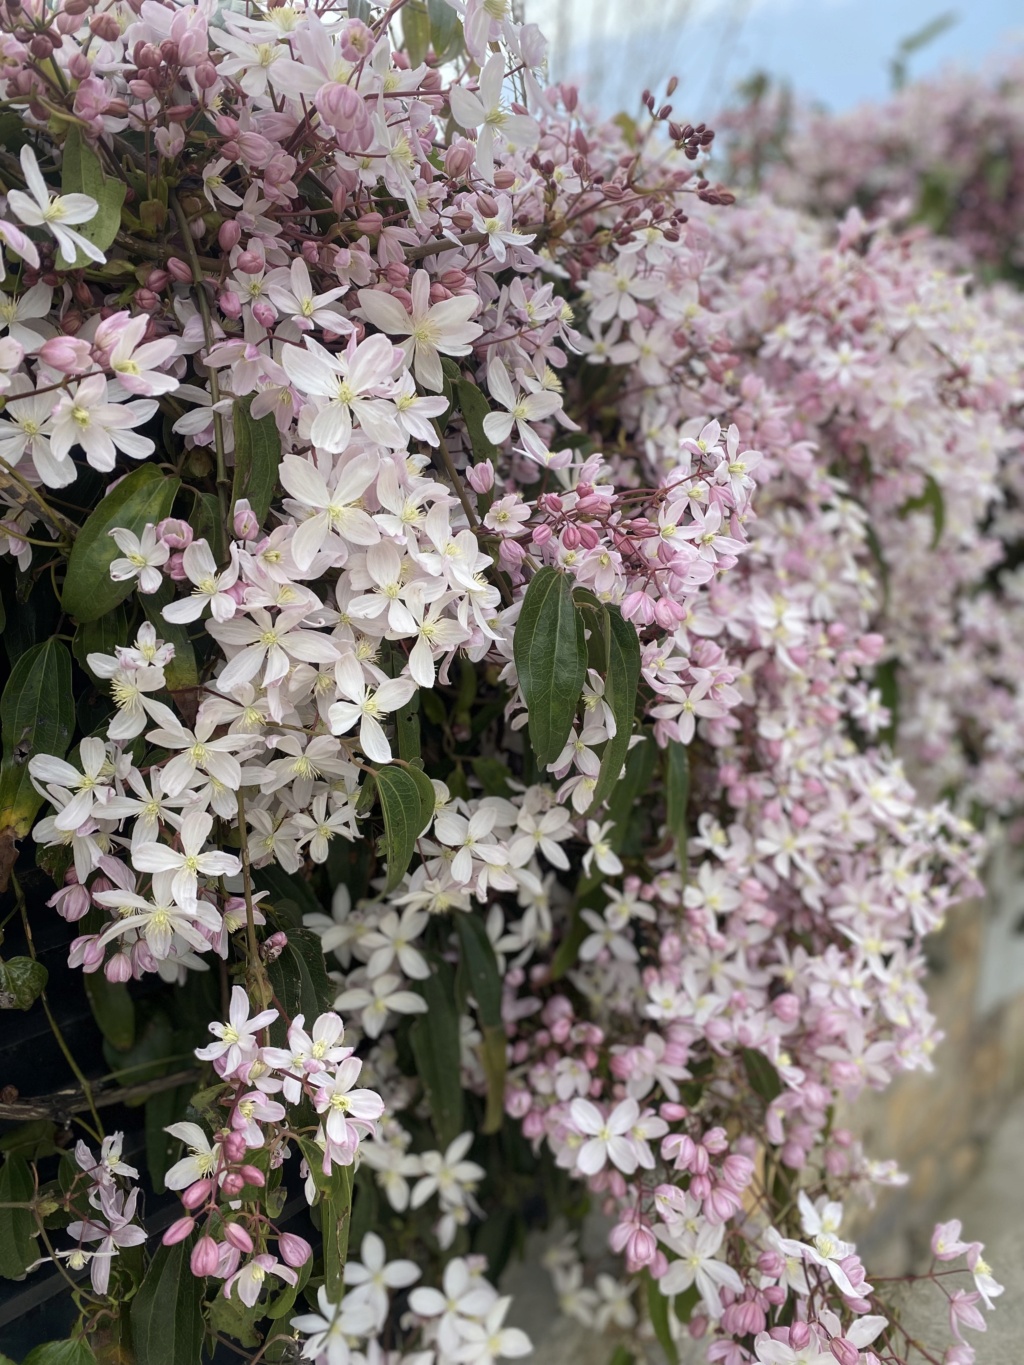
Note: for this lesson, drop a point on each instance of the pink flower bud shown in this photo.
(249, 262)
(175, 533)
(178, 1231)
(205, 1257)
(294, 1251)
(181, 270)
(245, 522)
(119, 968)
(175, 569)
(229, 303)
(458, 159)
(480, 477)
(341, 107)
(253, 1176)
(67, 355)
(264, 312)
(541, 534)
(799, 1335)
(234, 1146)
(206, 75)
(571, 537)
(233, 1185)
(511, 554)
(238, 1237)
(786, 1007)
(197, 1194)
(157, 279)
(844, 1351)
(370, 224)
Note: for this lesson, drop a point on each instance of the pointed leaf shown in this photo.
(334, 1208)
(762, 1075)
(401, 805)
(415, 31)
(657, 1310)
(17, 1226)
(166, 1313)
(479, 968)
(112, 1008)
(182, 672)
(550, 650)
(257, 458)
(77, 1352)
(474, 407)
(436, 1047)
(677, 796)
(22, 981)
(37, 716)
(100, 637)
(82, 173)
(144, 495)
(300, 981)
(621, 680)
(445, 29)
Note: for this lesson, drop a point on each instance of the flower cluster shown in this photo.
(502, 548)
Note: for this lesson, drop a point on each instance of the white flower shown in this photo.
(199, 752)
(27, 430)
(329, 504)
(377, 1002)
(697, 1265)
(374, 1276)
(463, 1297)
(470, 838)
(353, 385)
(606, 1136)
(211, 585)
(85, 418)
(201, 1162)
(487, 1341)
(291, 292)
(600, 851)
(483, 110)
(90, 786)
(448, 1175)
(330, 1330)
(275, 642)
(159, 920)
(521, 410)
(237, 1040)
(432, 330)
(366, 707)
(56, 214)
(143, 557)
(183, 867)
(392, 938)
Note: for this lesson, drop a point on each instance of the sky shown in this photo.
(834, 52)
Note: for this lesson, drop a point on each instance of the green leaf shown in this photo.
(112, 1008)
(550, 650)
(761, 1074)
(22, 981)
(622, 1356)
(445, 29)
(100, 637)
(77, 1352)
(37, 716)
(677, 796)
(686, 1302)
(17, 1243)
(415, 31)
(257, 458)
(291, 897)
(83, 173)
(144, 495)
(335, 1211)
(163, 1109)
(479, 967)
(434, 1037)
(402, 807)
(167, 1312)
(407, 728)
(182, 672)
(621, 681)
(492, 774)
(208, 525)
(428, 797)
(233, 1319)
(474, 408)
(657, 1310)
(300, 981)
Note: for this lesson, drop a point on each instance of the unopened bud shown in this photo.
(245, 521)
(178, 1231)
(238, 1237)
(294, 1251)
(196, 1195)
(205, 1257)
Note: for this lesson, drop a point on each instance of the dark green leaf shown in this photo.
(300, 981)
(37, 716)
(112, 1008)
(686, 1302)
(17, 1226)
(622, 1356)
(402, 807)
(677, 796)
(474, 408)
(407, 728)
(415, 31)
(929, 500)
(621, 680)
(144, 495)
(550, 650)
(167, 1316)
(479, 967)
(492, 774)
(77, 1352)
(435, 1044)
(257, 458)
(100, 637)
(164, 1108)
(657, 1310)
(232, 1318)
(335, 1213)
(428, 796)
(22, 981)
(83, 173)
(761, 1074)
(208, 524)
(291, 897)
